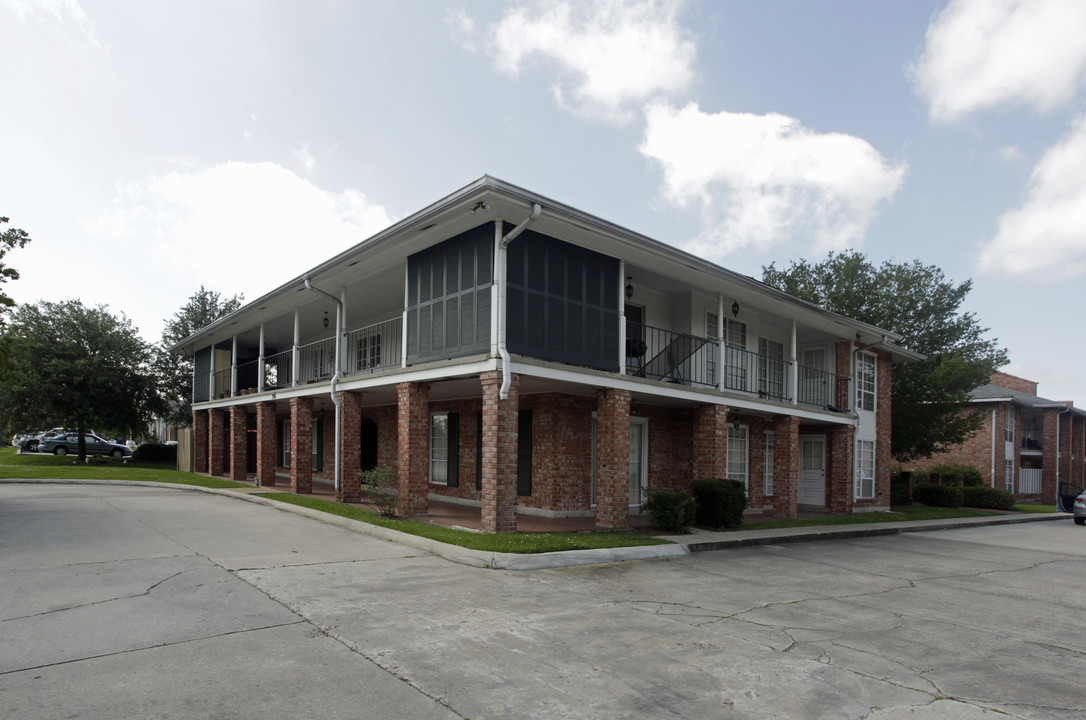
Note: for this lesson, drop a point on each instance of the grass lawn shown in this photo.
(66, 467)
(898, 513)
(503, 542)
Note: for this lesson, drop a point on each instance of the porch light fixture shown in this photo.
(479, 206)
(325, 319)
(735, 309)
(629, 288)
(736, 424)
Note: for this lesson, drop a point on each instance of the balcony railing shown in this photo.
(673, 357)
(823, 389)
(1029, 481)
(1031, 440)
(279, 370)
(222, 383)
(317, 360)
(247, 376)
(375, 347)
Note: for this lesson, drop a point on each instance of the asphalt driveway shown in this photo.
(163, 603)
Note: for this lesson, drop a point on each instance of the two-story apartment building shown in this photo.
(1026, 444)
(502, 350)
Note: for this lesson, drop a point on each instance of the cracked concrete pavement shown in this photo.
(154, 602)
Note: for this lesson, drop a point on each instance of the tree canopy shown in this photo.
(79, 367)
(917, 302)
(10, 239)
(175, 371)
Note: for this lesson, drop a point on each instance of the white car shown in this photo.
(1072, 499)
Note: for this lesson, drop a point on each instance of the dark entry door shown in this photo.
(369, 445)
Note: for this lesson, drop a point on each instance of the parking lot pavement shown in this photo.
(978, 623)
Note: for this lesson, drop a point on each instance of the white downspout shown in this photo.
(994, 448)
(335, 376)
(503, 246)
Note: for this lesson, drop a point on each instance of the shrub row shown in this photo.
(987, 497)
(938, 495)
(155, 453)
(715, 503)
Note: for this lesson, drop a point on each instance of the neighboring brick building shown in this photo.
(1026, 444)
(505, 351)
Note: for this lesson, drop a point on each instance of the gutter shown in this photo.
(335, 376)
(503, 245)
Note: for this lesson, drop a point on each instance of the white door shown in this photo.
(812, 470)
(639, 485)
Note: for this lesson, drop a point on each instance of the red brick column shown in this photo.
(265, 444)
(239, 428)
(350, 448)
(1067, 473)
(840, 461)
(199, 440)
(710, 442)
(216, 442)
(499, 493)
(1048, 455)
(786, 466)
(613, 458)
(301, 445)
(413, 448)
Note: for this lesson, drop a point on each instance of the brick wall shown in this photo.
(413, 448)
(1013, 382)
(200, 422)
(710, 442)
(786, 466)
(239, 428)
(301, 445)
(840, 473)
(612, 458)
(350, 452)
(265, 444)
(977, 450)
(216, 454)
(499, 494)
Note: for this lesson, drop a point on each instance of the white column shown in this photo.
(403, 321)
(294, 353)
(260, 362)
(234, 368)
(622, 317)
(792, 356)
(495, 290)
(720, 370)
(341, 343)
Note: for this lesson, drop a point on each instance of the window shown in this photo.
(368, 351)
(1008, 475)
(284, 443)
(865, 469)
(737, 454)
(865, 382)
(770, 443)
(1009, 430)
(770, 368)
(439, 449)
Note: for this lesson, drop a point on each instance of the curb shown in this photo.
(682, 544)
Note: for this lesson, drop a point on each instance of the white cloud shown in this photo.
(615, 53)
(989, 53)
(462, 27)
(305, 158)
(1009, 153)
(1046, 235)
(62, 11)
(240, 227)
(764, 179)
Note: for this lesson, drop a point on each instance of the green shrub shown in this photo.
(719, 503)
(987, 497)
(155, 453)
(671, 510)
(381, 485)
(938, 495)
(960, 475)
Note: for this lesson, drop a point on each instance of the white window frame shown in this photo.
(865, 470)
(1008, 431)
(1008, 475)
(767, 474)
(439, 450)
(738, 446)
(866, 381)
(285, 457)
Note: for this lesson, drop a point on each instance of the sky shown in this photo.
(153, 147)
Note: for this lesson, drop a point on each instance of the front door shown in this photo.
(812, 470)
(639, 485)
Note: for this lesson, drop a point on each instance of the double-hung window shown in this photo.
(767, 479)
(865, 381)
(865, 469)
(737, 454)
(1009, 431)
(439, 448)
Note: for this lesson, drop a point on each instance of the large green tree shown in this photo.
(175, 371)
(919, 303)
(79, 367)
(10, 239)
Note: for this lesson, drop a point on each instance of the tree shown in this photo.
(77, 366)
(175, 371)
(917, 302)
(9, 240)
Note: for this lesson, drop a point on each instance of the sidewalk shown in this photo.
(695, 541)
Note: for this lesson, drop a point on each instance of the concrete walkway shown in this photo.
(695, 541)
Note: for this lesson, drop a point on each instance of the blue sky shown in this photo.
(151, 147)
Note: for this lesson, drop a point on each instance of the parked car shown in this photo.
(1072, 499)
(32, 441)
(65, 444)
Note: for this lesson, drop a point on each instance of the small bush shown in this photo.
(987, 497)
(671, 510)
(155, 453)
(938, 495)
(719, 503)
(381, 485)
(960, 475)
